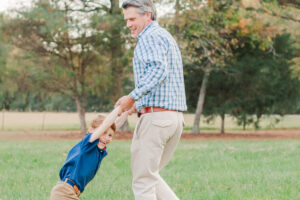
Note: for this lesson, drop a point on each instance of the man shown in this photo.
(158, 97)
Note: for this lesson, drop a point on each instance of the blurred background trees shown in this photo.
(65, 42)
(241, 58)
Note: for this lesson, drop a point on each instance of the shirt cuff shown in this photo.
(102, 150)
(135, 94)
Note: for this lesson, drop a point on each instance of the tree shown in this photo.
(5, 90)
(207, 40)
(116, 48)
(262, 82)
(68, 49)
(118, 60)
(220, 95)
(212, 32)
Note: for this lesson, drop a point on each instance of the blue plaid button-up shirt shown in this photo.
(158, 70)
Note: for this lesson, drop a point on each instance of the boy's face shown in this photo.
(106, 138)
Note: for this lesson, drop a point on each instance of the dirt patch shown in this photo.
(205, 135)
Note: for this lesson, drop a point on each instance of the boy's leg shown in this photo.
(63, 191)
(153, 133)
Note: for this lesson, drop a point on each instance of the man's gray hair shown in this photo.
(142, 6)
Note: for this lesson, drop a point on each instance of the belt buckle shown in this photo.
(76, 190)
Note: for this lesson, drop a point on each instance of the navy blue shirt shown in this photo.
(83, 162)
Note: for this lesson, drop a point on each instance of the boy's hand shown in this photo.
(132, 109)
(100, 145)
(125, 102)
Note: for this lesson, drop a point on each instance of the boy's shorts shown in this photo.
(63, 191)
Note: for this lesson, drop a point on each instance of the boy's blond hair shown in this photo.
(99, 120)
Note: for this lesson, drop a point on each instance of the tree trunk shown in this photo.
(116, 56)
(222, 123)
(200, 103)
(3, 117)
(244, 123)
(176, 18)
(116, 53)
(81, 114)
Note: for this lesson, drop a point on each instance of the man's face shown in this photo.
(106, 138)
(135, 21)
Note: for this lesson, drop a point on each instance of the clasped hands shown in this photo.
(127, 104)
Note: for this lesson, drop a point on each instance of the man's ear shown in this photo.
(149, 16)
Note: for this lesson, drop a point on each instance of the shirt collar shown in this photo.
(148, 27)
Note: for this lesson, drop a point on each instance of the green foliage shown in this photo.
(192, 80)
(69, 48)
(261, 83)
(205, 32)
(284, 2)
(59, 50)
(250, 68)
(3, 86)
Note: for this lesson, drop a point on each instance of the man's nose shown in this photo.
(128, 24)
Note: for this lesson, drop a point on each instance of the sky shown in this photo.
(9, 4)
(5, 5)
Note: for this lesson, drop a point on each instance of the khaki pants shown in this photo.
(63, 191)
(154, 142)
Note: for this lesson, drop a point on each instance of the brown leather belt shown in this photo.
(74, 186)
(153, 109)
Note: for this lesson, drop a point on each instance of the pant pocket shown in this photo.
(162, 123)
(164, 130)
(137, 129)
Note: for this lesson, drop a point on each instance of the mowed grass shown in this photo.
(219, 170)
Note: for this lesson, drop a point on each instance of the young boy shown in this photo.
(83, 160)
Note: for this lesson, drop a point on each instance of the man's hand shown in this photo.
(126, 102)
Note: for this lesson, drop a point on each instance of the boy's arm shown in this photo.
(108, 121)
(121, 119)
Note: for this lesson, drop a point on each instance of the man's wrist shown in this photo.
(131, 99)
(133, 95)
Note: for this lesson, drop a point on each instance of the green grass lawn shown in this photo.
(205, 170)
